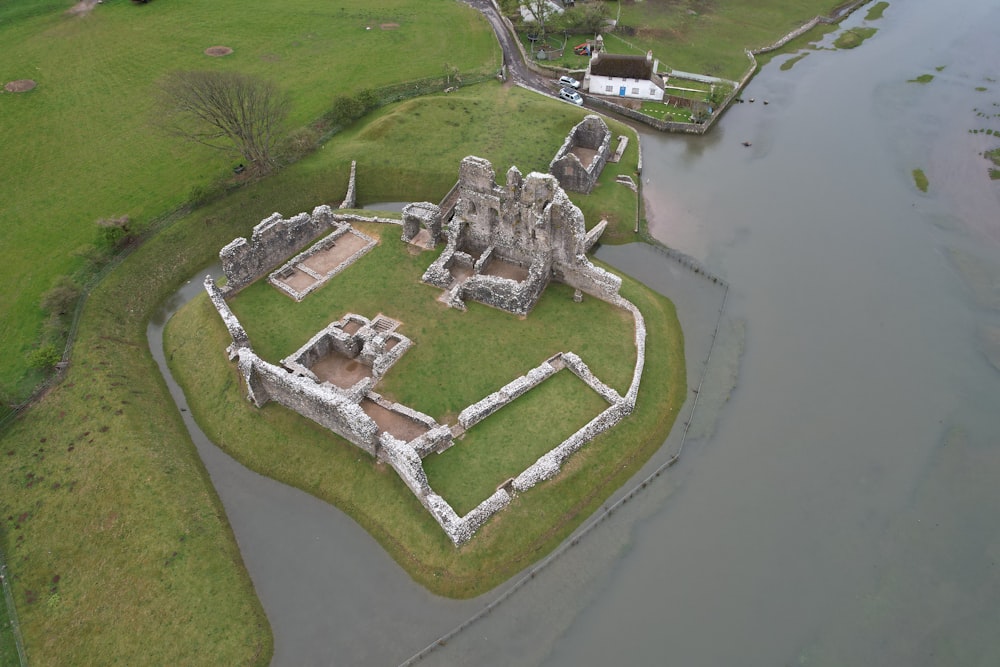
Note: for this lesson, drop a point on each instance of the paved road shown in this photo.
(517, 70)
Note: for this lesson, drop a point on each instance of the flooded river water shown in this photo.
(838, 498)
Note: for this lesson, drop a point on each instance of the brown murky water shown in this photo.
(838, 496)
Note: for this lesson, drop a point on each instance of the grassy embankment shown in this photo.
(117, 547)
(72, 153)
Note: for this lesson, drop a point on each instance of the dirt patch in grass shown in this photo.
(393, 422)
(82, 8)
(19, 86)
(389, 26)
(218, 51)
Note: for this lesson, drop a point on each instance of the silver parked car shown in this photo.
(568, 82)
(571, 96)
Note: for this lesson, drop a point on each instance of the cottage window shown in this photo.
(608, 88)
(635, 91)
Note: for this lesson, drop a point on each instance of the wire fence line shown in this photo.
(15, 628)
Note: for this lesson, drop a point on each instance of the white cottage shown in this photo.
(625, 76)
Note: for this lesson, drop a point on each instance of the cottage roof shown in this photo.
(627, 67)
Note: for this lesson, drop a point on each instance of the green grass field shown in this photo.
(83, 145)
(708, 38)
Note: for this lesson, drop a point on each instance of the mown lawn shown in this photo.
(83, 144)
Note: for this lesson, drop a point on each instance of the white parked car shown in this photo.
(571, 96)
(569, 81)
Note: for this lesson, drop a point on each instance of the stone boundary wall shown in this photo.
(236, 331)
(592, 133)
(461, 529)
(275, 239)
(482, 409)
(589, 278)
(351, 198)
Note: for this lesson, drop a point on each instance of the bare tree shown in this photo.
(541, 10)
(233, 112)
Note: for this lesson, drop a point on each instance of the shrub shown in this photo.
(44, 357)
(61, 298)
(113, 233)
(346, 109)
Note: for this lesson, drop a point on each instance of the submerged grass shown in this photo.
(876, 11)
(854, 37)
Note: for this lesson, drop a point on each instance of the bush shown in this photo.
(61, 298)
(300, 143)
(346, 109)
(113, 233)
(44, 357)
(368, 99)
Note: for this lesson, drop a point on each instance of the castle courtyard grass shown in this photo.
(314, 459)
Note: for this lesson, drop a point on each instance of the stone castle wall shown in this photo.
(591, 133)
(274, 239)
(322, 403)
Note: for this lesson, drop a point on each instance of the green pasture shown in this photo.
(84, 145)
(708, 38)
